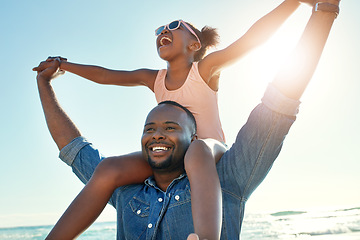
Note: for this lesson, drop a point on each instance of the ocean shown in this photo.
(334, 224)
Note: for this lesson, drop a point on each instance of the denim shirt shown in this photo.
(144, 211)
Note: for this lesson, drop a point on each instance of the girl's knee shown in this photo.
(124, 170)
(197, 154)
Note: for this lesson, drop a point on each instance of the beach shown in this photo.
(324, 224)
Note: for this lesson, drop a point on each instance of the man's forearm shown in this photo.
(61, 128)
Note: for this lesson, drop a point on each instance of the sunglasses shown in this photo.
(175, 25)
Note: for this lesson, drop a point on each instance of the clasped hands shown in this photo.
(50, 68)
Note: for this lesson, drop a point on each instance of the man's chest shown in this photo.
(153, 214)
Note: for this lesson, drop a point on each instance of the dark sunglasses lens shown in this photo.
(174, 25)
(159, 30)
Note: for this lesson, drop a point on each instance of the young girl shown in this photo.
(192, 80)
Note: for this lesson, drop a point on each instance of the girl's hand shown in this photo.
(60, 59)
(194, 236)
(48, 70)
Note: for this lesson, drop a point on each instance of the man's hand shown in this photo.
(48, 70)
(62, 59)
(312, 2)
(59, 59)
(309, 2)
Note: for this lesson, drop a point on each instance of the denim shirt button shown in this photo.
(160, 199)
(138, 212)
(177, 197)
(150, 225)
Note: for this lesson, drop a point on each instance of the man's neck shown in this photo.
(163, 179)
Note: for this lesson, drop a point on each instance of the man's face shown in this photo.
(166, 137)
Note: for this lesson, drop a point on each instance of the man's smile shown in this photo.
(159, 149)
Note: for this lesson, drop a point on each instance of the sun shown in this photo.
(274, 54)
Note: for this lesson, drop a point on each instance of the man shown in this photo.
(160, 207)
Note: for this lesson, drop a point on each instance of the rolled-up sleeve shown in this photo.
(258, 143)
(82, 157)
(279, 103)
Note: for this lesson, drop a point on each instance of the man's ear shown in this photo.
(194, 137)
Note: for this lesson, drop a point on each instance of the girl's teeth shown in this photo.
(165, 41)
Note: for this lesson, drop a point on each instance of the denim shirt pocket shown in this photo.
(139, 207)
(135, 219)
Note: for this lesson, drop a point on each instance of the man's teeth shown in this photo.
(154, 149)
(165, 40)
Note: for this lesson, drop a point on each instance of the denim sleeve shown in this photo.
(82, 157)
(245, 165)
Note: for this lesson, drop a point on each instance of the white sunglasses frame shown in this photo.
(180, 22)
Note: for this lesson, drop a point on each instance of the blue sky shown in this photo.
(318, 166)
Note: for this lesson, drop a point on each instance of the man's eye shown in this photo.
(170, 128)
(149, 130)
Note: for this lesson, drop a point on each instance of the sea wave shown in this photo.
(287, 213)
(348, 209)
(292, 224)
(299, 224)
(334, 230)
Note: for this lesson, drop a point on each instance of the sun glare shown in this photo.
(274, 54)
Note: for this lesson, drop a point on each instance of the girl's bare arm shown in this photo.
(297, 71)
(259, 33)
(101, 75)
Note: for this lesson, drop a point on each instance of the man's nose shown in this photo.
(158, 134)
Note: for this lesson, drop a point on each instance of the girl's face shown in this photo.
(174, 43)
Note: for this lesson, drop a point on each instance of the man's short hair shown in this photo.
(190, 115)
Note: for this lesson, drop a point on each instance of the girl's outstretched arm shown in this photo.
(298, 70)
(101, 75)
(258, 33)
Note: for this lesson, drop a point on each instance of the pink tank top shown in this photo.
(196, 96)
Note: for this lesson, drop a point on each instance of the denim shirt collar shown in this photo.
(150, 181)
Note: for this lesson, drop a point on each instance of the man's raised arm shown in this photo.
(61, 128)
(260, 140)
